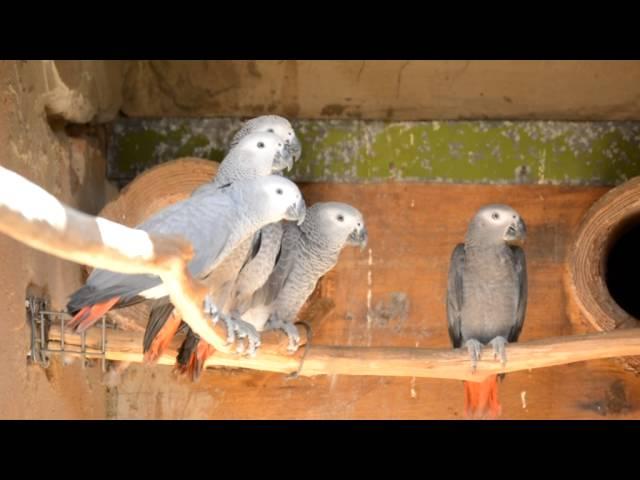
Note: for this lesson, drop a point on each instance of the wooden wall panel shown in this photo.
(413, 228)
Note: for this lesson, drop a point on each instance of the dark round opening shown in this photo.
(622, 267)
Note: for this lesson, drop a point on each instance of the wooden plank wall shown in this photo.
(413, 228)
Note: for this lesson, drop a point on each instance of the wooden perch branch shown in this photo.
(36, 218)
(384, 361)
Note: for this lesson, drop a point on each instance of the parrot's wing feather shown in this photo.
(521, 271)
(255, 246)
(454, 295)
(283, 266)
(204, 221)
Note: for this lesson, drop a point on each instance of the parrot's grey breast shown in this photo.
(490, 295)
(309, 266)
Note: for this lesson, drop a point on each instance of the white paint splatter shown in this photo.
(523, 397)
(436, 126)
(414, 394)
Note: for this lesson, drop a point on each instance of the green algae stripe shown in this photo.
(560, 153)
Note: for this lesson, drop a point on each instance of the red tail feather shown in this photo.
(162, 339)
(197, 360)
(90, 314)
(203, 352)
(481, 398)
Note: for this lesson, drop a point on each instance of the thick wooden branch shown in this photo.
(385, 361)
(36, 218)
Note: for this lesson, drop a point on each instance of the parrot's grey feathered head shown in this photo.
(261, 153)
(280, 198)
(494, 224)
(277, 125)
(336, 223)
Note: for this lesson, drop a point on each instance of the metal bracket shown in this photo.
(41, 319)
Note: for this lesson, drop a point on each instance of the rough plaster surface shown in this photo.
(72, 169)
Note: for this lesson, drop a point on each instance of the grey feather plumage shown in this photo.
(215, 222)
(307, 253)
(487, 283)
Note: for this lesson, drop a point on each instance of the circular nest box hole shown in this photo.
(603, 264)
(622, 266)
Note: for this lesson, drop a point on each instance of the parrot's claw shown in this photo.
(475, 352)
(499, 350)
(211, 309)
(244, 330)
(287, 327)
(230, 327)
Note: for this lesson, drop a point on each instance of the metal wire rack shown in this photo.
(41, 319)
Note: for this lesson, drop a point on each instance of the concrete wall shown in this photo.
(72, 169)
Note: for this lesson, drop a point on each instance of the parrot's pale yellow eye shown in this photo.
(260, 145)
(279, 191)
(495, 215)
(340, 218)
(270, 130)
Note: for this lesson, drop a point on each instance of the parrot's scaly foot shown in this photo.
(287, 327)
(213, 312)
(475, 352)
(231, 328)
(244, 330)
(499, 350)
(211, 309)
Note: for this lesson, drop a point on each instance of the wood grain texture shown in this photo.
(413, 229)
(585, 283)
(313, 360)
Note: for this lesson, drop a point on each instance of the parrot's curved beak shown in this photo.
(282, 160)
(297, 212)
(516, 233)
(295, 149)
(359, 237)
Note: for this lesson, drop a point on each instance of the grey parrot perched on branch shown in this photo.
(487, 296)
(255, 155)
(308, 252)
(163, 324)
(272, 124)
(267, 243)
(215, 221)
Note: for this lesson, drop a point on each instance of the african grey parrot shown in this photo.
(215, 222)
(308, 252)
(273, 124)
(163, 325)
(487, 295)
(267, 243)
